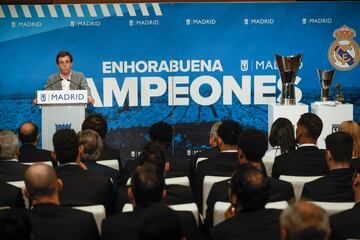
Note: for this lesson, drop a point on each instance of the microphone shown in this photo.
(53, 83)
(78, 85)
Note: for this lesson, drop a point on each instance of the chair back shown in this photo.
(98, 211)
(298, 182)
(21, 185)
(207, 185)
(113, 163)
(334, 207)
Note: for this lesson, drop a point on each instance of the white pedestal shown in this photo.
(332, 116)
(291, 112)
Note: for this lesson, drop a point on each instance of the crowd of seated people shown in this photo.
(143, 198)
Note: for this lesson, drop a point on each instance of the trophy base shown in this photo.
(324, 99)
(287, 101)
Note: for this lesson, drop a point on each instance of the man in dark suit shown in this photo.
(304, 221)
(345, 225)
(81, 187)
(11, 196)
(10, 168)
(252, 145)
(225, 162)
(29, 137)
(147, 188)
(15, 225)
(247, 217)
(49, 219)
(308, 159)
(336, 186)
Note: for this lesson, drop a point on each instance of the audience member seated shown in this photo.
(353, 128)
(252, 145)
(153, 153)
(10, 168)
(11, 196)
(159, 223)
(247, 217)
(98, 123)
(147, 188)
(225, 162)
(49, 219)
(345, 225)
(308, 159)
(81, 187)
(304, 221)
(93, 145)
(15, 225)
(336, 185)
(29, 137)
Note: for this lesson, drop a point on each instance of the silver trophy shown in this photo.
(288, 67)
(326, 77)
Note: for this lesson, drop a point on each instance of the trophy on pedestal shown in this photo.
(326, 77)
(288, 67)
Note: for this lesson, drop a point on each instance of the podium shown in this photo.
(331, 115)
(60, 109)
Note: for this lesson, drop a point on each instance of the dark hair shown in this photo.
(159, 222)
(153, 153)
(312, 123)
(28, 136)
(14, 225)
(251, 187)
(229, 131)
(63, 54)
(161, 132)
(282, 135)
(253, 143)
(147, 185)
(97, 123)
(340, 145)
(66, 145)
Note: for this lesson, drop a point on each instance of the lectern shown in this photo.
(60, 109)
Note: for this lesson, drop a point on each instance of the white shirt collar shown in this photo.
(229, 151)
(11, 160)
(307, 145)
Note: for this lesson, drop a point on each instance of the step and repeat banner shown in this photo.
(188, 64)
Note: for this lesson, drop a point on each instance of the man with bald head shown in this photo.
(49, 219)
(304, 221)
(29, 137)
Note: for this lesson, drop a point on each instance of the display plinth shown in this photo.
(60, 109)
(331, 115)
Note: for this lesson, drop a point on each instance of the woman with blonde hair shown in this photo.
(353, 128)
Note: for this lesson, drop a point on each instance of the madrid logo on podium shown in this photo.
(344, 51)
(62, 126)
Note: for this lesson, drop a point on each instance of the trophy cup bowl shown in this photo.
(288, 68)
(326, 77)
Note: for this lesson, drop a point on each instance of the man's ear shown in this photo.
(131, 197)
(53, 155)
(164, 194)
(26, 193)
(59, 185)
(328, 155)
(219, 141)
(233, 199)
(167, 167)
(283, 233)
(81, 150)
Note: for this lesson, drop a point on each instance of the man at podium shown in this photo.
(67, 79)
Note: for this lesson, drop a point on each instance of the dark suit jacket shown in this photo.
(30, 153)
(109, 153)
(336, 186)
(305, 161)
(123, 225)
(345, 225)
(11, 196)
(82, 187)
(279, 191)
(12, 171)
(105, 171)
(355, 163)
(221, 165)
(50, 221)
(261, 224)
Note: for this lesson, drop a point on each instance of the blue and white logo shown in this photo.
(62, 126)
(244, 65)
(43, 97)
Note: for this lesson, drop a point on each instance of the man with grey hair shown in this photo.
(304, 221)
(92, 144)
(10, 168)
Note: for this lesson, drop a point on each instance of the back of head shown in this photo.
(161, 132)
(352, 128)
(40, 181)
(304, 221)
(229, 132)
(14, 225)
(251, 187)
(147, 185)
(153, 153)
(253, 143)
(92, 144)
(340, 145)
(159, 223)
(28, 132)
(282, 135)
(214, 134)
(97, 123)
(9, 144)
(312, 123)
(66, 145)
